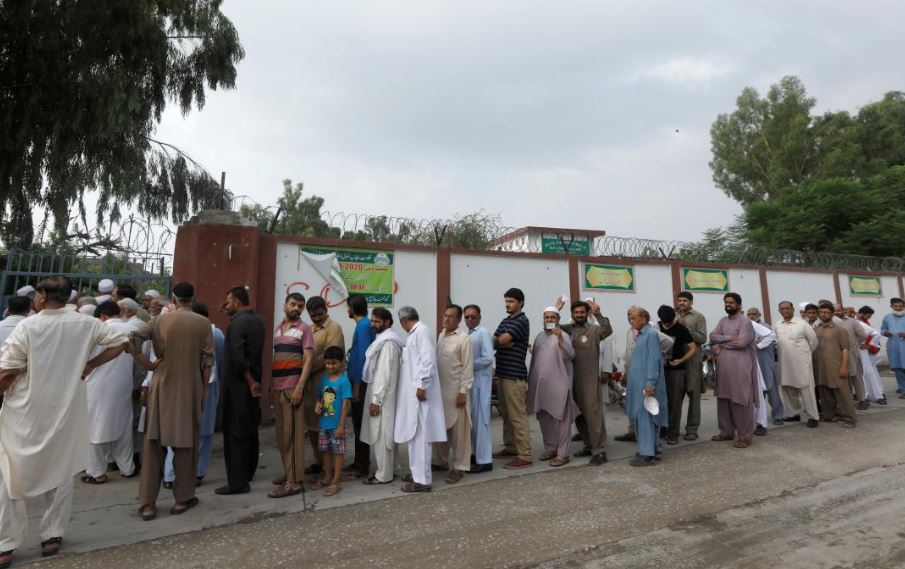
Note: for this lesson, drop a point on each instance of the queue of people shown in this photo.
(156, 372)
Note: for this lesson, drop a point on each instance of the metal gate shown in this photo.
(144, 272)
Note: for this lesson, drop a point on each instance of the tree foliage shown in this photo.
(298, 215)
(830, 182)
(83, 85)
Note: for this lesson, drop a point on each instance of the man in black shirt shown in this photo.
(511, 342)
(683, 349)
(241, 392)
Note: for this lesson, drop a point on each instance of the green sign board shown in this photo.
(864, 286)
(609, 277)
(712, 280)
(566, 245)
(364, 272)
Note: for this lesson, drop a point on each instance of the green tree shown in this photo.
(295, 215)
(766, 144)
(83, 85)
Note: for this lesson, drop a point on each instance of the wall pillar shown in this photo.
(215, 251)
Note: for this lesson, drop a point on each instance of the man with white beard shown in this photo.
(419, 404)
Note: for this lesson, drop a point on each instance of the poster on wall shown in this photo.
(705, 280)
(363, 271)
(864, 286)
(609, 277)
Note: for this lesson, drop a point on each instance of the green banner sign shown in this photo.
(864, 286)
(566, 245)
(712, 280)
(364, 272)
(609, 277)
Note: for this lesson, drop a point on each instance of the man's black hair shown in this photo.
(240, 293)
(184, 291)
(56, 288)
(316, 302)
(358, 303)
(334, 353)
(107, 308)
(19, 305)
(457, 308)
(200, 308)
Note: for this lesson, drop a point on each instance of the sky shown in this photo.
(547, 113)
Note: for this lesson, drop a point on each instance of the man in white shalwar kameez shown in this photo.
(44, 420)
(109, 394)
(381, 375)
(796, 340)
(870, 357)
(419, 404)
(764, 337)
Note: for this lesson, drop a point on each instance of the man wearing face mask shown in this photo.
(736, 371)
(893, 328)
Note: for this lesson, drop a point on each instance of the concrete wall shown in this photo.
(798, 286)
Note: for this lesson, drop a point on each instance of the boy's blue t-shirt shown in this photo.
(331, 395)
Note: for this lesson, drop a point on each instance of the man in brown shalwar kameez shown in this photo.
(586, 385)
(831, 370)
(736, 374)
(184, 343)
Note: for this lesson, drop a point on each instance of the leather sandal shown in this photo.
(6, 559)
(51, 546)
(183, 508)
(147, 512)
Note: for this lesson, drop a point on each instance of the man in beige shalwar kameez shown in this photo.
(184, 343)
(796, 341)
(455, 366)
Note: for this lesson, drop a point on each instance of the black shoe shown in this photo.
(795, 418)
(136, 460)
(627, 437)
(598, 459)
(226, 490)
(643, 461)
(479, 468)
(168, 485)
(760, 430)
(439, 468)
(658, 457)
(882, 401)
(415, 487)
(778, 422)
(813, 423)
(112, 467)
(586, 451)
(474, 460)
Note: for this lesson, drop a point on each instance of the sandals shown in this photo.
(720, 438)
(51, 546)
(319, 483)
(147, 512)
(331, 490)
(284, 491)
(177, 509)
(690, 436)
(279, 481)
(372, 481)
(559, 461)
(547, 456)
(6, 559)
(742, 443)
(102, 479)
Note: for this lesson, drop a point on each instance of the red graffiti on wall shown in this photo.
(325, 291)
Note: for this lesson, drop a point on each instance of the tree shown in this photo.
(83, 85)
(295, 215)
(766, 144)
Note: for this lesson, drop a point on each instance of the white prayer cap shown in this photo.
(103, 298)
(652, 405)
(25, 290)
(88, 309)
(129, 304)
(105, 286)
(73, 294)
(551, 309)
(152, 293)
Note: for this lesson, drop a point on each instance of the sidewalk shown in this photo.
(106, 515)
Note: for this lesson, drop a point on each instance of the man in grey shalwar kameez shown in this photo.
(550, 388)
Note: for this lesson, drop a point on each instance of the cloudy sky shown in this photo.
(548, 113)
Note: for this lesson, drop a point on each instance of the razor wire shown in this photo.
(486, 231)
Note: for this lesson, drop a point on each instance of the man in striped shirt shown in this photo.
(511, 342)
(293, 353)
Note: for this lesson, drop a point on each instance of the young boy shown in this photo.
(332, 408)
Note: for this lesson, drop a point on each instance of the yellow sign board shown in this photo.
(714, 280)
(864, 286)
(609, 277)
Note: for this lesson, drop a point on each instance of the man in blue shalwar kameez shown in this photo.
(646, 378)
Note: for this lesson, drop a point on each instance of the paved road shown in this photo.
(814, 498)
